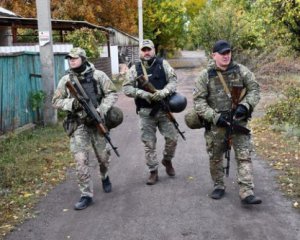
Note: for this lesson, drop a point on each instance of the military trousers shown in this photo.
(148, 126)
(241, 144)
(82, 141)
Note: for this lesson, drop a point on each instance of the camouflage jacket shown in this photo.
(62, 98)
(130, 84)
(210, 97)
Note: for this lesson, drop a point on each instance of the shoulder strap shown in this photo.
(224, 84)
(141, 70)
(78, 85)
(91, 75)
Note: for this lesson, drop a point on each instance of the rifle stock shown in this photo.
(150, 88)
(92, 113)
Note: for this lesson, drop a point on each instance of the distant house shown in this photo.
(20, 63)
(126, 45)
(5, 31)
(120, 47)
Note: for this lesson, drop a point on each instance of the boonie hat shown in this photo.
(221, 46)
(76, 53)
(147, 44)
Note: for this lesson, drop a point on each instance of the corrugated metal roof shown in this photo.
(56, 24)
(5, 12)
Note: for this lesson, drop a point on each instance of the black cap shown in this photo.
(221, 46)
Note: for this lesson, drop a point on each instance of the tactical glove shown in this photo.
(160, 94)
(223, 120)
(144, 95)
(76, 105)
(241, 112)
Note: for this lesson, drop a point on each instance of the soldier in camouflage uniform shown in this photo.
(83, 134)
(213, 104)
(164, 79)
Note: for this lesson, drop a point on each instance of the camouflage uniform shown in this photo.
(86, 136)
(210, 99)
(148, 124)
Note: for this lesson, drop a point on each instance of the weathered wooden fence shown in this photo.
(19, 77)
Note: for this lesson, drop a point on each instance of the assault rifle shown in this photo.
(90, 110)
(163, 103)
(233, 126)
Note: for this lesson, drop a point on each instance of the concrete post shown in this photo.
(47, 58)
(140, 11)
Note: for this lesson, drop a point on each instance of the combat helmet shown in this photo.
(114, 117)
(177, 103)
(193, 120)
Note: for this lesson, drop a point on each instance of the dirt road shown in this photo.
(175, 208)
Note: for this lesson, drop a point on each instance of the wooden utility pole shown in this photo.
(47, 58)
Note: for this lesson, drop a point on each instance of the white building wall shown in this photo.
(114, 58)
(57, 48)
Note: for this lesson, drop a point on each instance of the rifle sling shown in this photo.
(145, 72)
(243, 93)
(224, 84)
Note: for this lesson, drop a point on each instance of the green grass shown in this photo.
(31, 163)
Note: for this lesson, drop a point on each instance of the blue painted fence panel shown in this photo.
(16, 86)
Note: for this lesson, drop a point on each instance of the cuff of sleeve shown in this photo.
(247, 105)
(103, 108)
(138, 92)
(69, 105)
(166, 92)
(216, 118)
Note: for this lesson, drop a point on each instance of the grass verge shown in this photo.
(282, 152)
(276, 135)
(31, 163)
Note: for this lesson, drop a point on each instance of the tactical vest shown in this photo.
(157, 77)
(217, 98)
(89, 85)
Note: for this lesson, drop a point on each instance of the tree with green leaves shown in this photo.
(229, 20)
(88, 39)
(193, 7)
(284, 16)
(164, 23)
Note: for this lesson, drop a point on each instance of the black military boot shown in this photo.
(106, 185)
(83, 203)
(217, 193)
(251, 199)
(153, 178)
(169, 168)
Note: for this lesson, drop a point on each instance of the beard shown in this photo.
(148, 63)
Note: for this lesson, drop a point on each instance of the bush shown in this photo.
(287, 110)
(88, 39)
